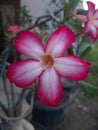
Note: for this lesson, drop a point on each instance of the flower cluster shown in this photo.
(91, 24)
(13, 29)
(48, 63)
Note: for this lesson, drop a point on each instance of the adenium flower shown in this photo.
(91, 25)
(13, 28)
(47, 64)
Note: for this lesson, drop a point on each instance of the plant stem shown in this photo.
(12, 98)
(1, 124)
(4, 108)
(90, 85)
(5, 61)
(6, 93)
(19, 103)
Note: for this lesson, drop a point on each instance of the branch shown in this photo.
(46, 18)
(42, 17)
(55, 18)
(7, 94)
(89, 85)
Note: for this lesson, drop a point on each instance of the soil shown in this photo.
(81, 114)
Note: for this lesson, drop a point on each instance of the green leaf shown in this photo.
(73, 4)
(66, 10)
(70, 51)
(75, 25)
(85, 52)
(69, 7)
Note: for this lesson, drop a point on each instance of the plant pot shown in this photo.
(71, 86)
(49, 116)
(73, 89)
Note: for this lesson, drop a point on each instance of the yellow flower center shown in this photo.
(92, 20)
(47, 60)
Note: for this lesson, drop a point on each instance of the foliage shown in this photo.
(25, 19)
(92, 77)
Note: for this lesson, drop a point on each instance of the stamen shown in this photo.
(47, 60)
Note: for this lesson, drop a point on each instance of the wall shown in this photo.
(40, 7)
(36, 7)
(9, 10)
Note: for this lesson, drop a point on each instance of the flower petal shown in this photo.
(94, 33)
(50, 89)
(24, 73)
(72, 67)
(86, 28)
(91, 9)
(13, 28)
(28, 43)
(60, 40)
(96, 14)
(96, 23)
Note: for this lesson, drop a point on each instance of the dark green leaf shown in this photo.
(70, 51)
(73, 4)
(85, 52)
(66, 10)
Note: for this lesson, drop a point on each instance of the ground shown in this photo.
(81, 114)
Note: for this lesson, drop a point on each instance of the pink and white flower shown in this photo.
(13, 28)
(91, 24)
(47, 63)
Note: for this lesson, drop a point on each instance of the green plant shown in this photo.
(24, 18)
(90, 89)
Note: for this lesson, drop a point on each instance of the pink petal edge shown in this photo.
(94, 33)
(91, 9)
